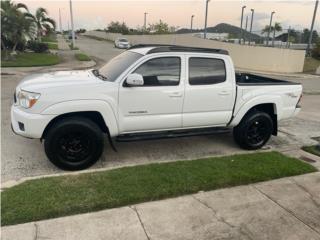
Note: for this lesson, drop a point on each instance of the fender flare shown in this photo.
(103, 107)
(247, 106)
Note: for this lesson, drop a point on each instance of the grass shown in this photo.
(312, 150)
(72, 47)
(31, 60)
(49, 38)
(66, 195)
(311, 64)
(52, 45)
(82, 57)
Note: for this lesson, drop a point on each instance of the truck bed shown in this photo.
(245, 79)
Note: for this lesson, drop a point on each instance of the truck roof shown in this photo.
(158, 48)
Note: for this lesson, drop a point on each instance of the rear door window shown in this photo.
(206, 71)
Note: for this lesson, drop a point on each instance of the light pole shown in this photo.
(244, 38)
(60, 23)
(311, 29)
(205, 20)
(243, 7)
(252, 13)
(145, 21)
(270, 27)
(72, 27)
(288, 37)
(191, 23)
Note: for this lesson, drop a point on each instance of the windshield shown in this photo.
(123, 40)
(112, 70)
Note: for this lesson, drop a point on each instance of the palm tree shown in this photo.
(277, 28)
(15, 24)
(25, 29)
(43, 22)
(266, 29)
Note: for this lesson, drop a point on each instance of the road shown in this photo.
(23, 157)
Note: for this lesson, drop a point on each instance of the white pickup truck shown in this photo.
(147, 92)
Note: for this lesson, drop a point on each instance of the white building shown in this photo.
(213, 36)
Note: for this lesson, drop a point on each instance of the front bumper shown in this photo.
(123, 46)
(33, 124)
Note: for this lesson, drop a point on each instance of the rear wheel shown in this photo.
(74, 143)
(254, 130)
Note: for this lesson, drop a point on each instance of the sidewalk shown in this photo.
(287, 208)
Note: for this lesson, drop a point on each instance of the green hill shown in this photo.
(233, 31)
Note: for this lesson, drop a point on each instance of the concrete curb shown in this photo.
(81, 66)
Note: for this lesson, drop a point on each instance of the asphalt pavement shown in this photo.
(23, 157)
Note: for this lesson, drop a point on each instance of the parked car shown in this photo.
(70, 36)
(121, 43)
(149, 92)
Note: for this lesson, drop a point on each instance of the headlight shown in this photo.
(27, 99)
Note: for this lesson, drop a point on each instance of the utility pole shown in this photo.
(72, 27)
(288, 36)
(252, 13)
(311, 29)
(270, 27)
(274, 34)
(145, 21)
(243, 7)
(205, 20)
(191, 23)
(60, 23)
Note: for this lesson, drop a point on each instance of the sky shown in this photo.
(99, 13)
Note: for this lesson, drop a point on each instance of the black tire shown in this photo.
(74, 143)
(254, 130)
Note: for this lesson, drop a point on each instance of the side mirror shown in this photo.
(135, 79)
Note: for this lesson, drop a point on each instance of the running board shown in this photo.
(171, 134)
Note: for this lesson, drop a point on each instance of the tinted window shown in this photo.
(160, 71)
(117, 65)
(204, 71)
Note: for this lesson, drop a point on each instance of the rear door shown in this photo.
(157, 105)
(209, 91)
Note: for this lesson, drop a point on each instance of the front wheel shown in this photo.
(254, 130)
(73, 144)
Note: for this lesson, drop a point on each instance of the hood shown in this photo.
(38, 82)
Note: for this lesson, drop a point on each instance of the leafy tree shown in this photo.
(81, 30)
(117, 27)
(159, 28)
(316, 51)
(43, 22)
(306, 34)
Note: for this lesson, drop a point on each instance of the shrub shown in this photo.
(316, 51)
(37, 47)
(9, 44)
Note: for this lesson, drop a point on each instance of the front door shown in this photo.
(157, 105)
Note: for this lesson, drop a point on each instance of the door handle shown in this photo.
(175, 94)
(224, 93)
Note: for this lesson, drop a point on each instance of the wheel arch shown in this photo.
(270, 108)
(98, 111)
(94, 116)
